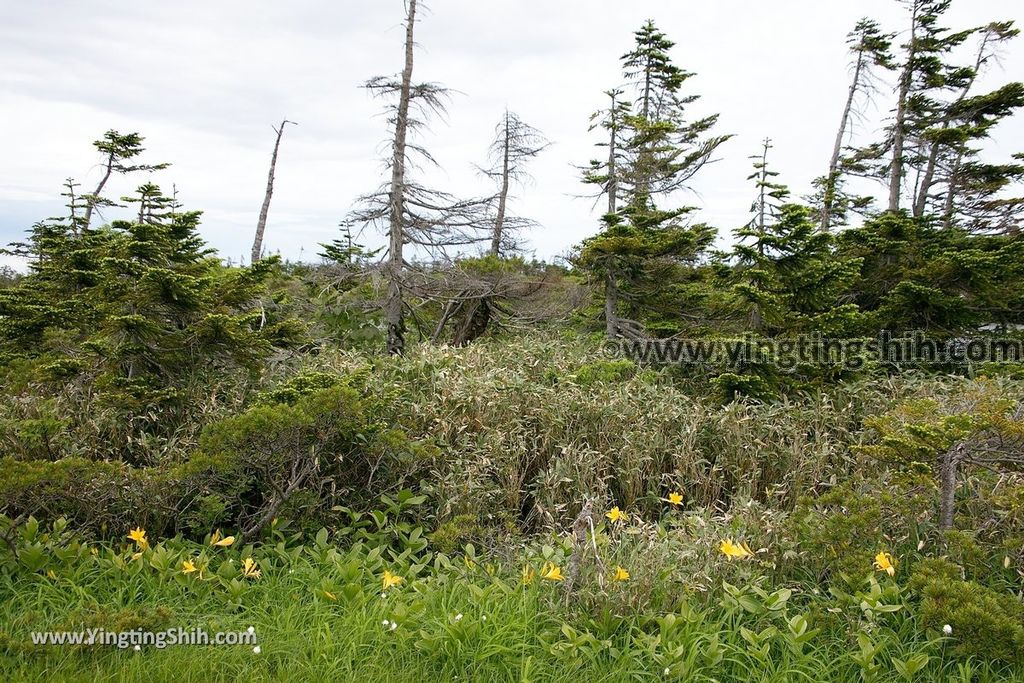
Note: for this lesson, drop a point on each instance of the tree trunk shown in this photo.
(499, 221)
(89, 205)
(613, 181)
(947, 489)
(929, 175)
(611, 302)
(394, 313)
(261, 224)
(921, 203)
(948, 206)
(899, 134)
(832, 178)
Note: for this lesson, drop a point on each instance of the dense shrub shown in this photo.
(533, 426)
(840, 533)
(297, 461)
(985, 623)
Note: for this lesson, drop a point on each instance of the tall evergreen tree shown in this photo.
(871, 49)
(118, 149)
(653, 151)
(965, 119)
(924, 71)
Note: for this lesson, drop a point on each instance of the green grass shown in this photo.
(508, 631)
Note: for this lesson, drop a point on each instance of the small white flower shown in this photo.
(394, 625)
(458, 617)
(251, 629)
(667, 671)
(483, 617)
(385, 622)
(137, 648)
(257, 649)
(947, 629)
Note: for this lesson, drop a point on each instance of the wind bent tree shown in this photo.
(117, 150)
(870, 47)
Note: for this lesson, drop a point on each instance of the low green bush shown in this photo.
(985, 623)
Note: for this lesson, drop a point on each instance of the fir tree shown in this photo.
(653, 151)
(788, 276)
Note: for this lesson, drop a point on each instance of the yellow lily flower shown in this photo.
(616, 515)
(139, 536)
(330, 596)
(620, 574)
(735, 551)
(216, 540)
(884, 563)
(391, 580)
(552, 572)
(528, 575)
(250, 569)
(188, 566)
(675, 498)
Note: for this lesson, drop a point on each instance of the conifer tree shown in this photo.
(788, 277)
(871, 49)
(118, 149)
(924, 72)
(964, 120)
(653, 152)
(919, 276)
(606, 172)
(134, 309)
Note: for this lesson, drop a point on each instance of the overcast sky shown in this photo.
(203, 81)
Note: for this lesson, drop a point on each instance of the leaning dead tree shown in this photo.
(515, 143)
(410, 213)
(474, 297)
(998, 445)
(261, 224)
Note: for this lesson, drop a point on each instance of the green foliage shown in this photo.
(914, 276)
(133, 315)
(653, 151)
(839, 533)
(244, 467)
(298, 386)
(789, 280)
(985, 623)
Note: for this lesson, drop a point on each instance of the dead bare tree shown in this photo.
(515, 143)
(473, 300)
(410, 213)
(261, 224)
